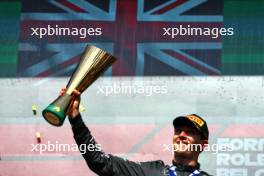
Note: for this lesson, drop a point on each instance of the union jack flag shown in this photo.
(132, 30)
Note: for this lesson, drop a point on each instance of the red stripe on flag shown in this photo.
(169, 7)
(60, 67)
(71, 6)
(190, 62)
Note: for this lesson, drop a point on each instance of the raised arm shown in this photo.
(96, 159)
(91, 151)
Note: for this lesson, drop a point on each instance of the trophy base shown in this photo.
(52, 119)
(54, 115)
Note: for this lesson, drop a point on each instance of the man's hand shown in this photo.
(73, 110)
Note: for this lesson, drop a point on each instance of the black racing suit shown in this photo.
(106, 165)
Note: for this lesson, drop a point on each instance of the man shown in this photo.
(190, 137)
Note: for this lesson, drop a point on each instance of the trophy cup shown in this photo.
(93, 62)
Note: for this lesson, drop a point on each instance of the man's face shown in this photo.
(187, 142)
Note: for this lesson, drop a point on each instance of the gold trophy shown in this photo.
(93, 62)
